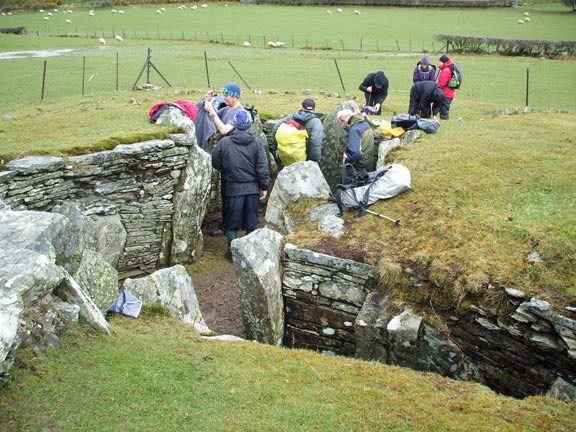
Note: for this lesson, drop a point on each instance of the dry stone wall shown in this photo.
(133, 185)
(331, 306)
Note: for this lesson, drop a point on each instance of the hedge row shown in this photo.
(507, 47)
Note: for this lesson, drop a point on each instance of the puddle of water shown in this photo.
(43, 53)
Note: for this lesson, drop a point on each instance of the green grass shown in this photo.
(167, 380)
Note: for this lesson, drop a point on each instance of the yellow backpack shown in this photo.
(291, 139)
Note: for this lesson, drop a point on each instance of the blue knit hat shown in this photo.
(232, 89)
(424, 60)
(242, 120)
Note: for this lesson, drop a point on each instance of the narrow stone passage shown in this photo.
(216, 287)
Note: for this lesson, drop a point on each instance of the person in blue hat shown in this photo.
(223, 118)
(241, 159)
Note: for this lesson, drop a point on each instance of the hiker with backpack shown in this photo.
(241, 159)
(375, 88)
(444, 77)
(289, 142)
(426, 99)
(424, 71)
(360, 146)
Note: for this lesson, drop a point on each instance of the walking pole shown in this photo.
(339, 74)
(396, 221)
(527, 87)
(238, 73)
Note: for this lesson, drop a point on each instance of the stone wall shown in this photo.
(137, 187)
(331, 306)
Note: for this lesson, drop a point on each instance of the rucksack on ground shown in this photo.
(291, 139)
(456, 80)
(359, 190)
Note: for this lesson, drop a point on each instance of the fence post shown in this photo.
(527, 86)
(44, 79)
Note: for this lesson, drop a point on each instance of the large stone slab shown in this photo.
(257, 261)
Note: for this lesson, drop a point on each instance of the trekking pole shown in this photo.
(396, 221)
(238, 73)
(206, 64)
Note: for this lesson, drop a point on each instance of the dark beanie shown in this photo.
(308, 104)
(444, 58)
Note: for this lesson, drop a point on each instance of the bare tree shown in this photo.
(570, 3)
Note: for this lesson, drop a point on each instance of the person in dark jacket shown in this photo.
(375, 88)
(313, 125)
(241, 159)
(424, 71)
(360, 147)
(426, 99)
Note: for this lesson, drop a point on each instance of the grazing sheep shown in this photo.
(119, 38)
(520, 21)
(91, 12)
(527, 19)
(49, 14)
(121, 12)
(41, 11)
(68, 21)
(113, 11)
(194, 7)
(339, 10)
(204, 5)
(329, 12)
(246, 43)
(357, 12)
(158, 11)
(163, 9)
(102, 41)
(46, 18)
(526, 14)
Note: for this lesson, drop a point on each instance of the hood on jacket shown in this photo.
(379, 80)
(240, 137)
(304, 115)
(355, 119)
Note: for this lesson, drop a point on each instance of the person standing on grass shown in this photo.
(444, 77)
(360, 147)
(223, 120)
(424, 71)
(241, 159)
(375, 88)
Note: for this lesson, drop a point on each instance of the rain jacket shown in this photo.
(444, 77)
(242, 161)
(424, 75)
(423, 95)
(313, 125)
(360, 148)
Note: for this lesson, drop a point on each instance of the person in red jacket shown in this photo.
(444, 77)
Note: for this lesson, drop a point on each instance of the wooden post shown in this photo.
(44, 79)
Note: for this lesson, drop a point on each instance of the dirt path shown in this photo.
(216, 287)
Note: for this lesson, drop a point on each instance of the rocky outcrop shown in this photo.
(257, 261)
(34, 281)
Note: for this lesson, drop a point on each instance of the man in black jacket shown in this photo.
(243, 165)
(375, 88)
(426, 99)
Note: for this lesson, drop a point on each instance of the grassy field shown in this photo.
(167, 380)
(487, 191)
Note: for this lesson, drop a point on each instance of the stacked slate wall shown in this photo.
(135, 183)
(331, 306)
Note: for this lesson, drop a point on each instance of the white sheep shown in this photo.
(357, 12)
(91, 12)
(527, 19)
(121, 12)
(329, 12)
(46, 18)
(113, 11)
(68, 21)
(339, 10)
(119, 38)
(158, 11)
(246, 43)
(49, 14)
(526, 14)
(194, 7)
(520, 21)
(41, 11)
(204, 5)
(102, 41)
(163, 9)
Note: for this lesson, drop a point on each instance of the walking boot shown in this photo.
(230, 235)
